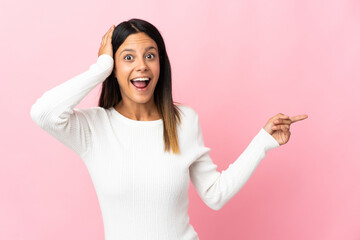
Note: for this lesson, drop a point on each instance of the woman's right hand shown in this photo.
(106, 46)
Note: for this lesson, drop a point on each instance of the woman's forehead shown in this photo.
(138, 39)
(137, 42)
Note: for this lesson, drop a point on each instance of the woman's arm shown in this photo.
(216, 188)
(55, 113)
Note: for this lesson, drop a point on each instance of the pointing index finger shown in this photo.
(298, 118)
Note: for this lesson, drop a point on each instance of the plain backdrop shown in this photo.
(237, 63)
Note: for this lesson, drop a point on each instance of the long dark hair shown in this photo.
(110, 92)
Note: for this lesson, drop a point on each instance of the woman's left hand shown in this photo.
(279, 126)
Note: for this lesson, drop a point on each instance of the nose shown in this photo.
(142, 65)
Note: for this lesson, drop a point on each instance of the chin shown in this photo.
(142, 99)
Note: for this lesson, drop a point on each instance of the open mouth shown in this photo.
(140, 84)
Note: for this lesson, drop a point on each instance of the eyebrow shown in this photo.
(132, 50)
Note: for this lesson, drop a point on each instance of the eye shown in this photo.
(152, 55)
(127, 56)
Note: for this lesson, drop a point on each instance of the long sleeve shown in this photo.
(55, 110)
(216, 188)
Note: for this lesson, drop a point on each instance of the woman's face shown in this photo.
(137, 57)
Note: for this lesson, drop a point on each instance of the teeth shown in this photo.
(141, 79)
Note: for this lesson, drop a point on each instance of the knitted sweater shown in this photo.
(142, 190)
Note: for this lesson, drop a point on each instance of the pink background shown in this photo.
(237, 63)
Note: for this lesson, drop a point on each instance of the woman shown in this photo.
(141, 150)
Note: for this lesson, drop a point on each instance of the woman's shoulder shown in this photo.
(91, 112)
(187, 110)
(189, 115)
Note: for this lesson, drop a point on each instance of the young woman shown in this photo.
(141, 150)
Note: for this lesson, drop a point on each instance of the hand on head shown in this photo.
(106, 46)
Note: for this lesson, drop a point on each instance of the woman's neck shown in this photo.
(139, 112)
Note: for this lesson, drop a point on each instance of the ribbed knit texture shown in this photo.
(142, 190)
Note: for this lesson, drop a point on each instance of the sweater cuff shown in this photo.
(267, 140)
(105, 61)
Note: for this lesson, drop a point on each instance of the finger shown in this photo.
(111, 33)
(281, 121)
(281, 116)
(298, 118)
(283, 127)
(104, 39)
(106, 36)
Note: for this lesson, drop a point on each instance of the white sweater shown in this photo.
(142, 190)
